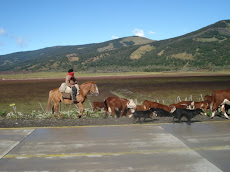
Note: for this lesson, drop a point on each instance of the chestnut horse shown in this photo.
(55, 96)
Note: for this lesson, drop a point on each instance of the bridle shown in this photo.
(95, 90)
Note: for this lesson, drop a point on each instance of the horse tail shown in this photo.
(49, 102)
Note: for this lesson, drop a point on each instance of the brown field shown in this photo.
(31, 95)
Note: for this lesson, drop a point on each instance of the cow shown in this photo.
(225, 105)
(225, 108)
(187, 113)
(98, 105)
(218, 98)
(140, 108)
(118, 105)
(149, 104)
(182, 105)
(209, 100)
(200, 105)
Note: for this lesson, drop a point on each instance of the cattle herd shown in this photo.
(119, 107)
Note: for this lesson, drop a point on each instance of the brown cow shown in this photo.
(209, 100)
(98, 105)
(116, 104)
(179, 106)
(140, 108)
(218, 99)
(200, 105)
(225, 105)
(149, 104)
(182, 105)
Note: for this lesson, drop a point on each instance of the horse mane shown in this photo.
(88, 82)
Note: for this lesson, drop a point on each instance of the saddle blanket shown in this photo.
(66, 91)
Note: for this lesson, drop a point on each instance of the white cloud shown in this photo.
(2, 31)
(21, 41)
(138, 32)
(152, 33)
(115, 37)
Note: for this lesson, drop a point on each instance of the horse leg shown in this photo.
(53, 112)
(81, 109)
(56, 107)
(59, 113)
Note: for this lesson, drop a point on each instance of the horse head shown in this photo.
(93, 89)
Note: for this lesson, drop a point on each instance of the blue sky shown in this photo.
(34, 24)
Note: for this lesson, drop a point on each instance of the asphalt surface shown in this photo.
(162, 147)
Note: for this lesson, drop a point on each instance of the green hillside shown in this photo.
(207, 48)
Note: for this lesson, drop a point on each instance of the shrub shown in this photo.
(2, 113)
(36, 114)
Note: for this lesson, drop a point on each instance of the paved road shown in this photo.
(164, 147)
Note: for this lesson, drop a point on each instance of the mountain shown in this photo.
(206, 48)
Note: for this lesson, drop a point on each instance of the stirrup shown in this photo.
(74, 101)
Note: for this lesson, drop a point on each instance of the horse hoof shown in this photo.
(79, 117)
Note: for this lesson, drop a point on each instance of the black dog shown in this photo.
(189, 114)
(142, 114)
(161, 112)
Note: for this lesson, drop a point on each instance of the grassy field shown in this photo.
(32, 94)
(42, 75)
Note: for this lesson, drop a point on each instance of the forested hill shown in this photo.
(206, 48)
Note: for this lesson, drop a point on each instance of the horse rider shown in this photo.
(71, 82)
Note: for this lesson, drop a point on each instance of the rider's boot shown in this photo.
(74, 93)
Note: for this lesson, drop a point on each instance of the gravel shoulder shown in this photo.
(16, 123)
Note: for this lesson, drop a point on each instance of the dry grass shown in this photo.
(161, 53)
(107, 48)
(213, 39)
(183, 56)
(141, 51)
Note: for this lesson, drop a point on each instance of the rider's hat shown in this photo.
(70, 70)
